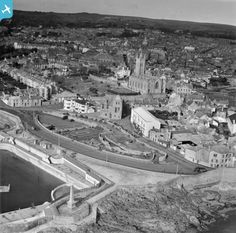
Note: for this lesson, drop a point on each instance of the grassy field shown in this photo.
(127, 142)
(83, 134)
(58, 122)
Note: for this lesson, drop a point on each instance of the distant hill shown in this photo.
(50, 19)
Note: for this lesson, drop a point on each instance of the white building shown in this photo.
(79, 106)
(144, 120)
(189, 49)
(122, 72)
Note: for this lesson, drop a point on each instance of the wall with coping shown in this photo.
(44, 166)
(217, 176)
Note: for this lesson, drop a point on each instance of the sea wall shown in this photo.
(217, 176)
(43, 158)
(26, 155)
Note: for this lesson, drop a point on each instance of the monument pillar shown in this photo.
(71, 202)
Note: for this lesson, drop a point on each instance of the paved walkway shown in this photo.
(122, 175)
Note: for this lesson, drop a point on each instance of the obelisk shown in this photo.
(71, 202)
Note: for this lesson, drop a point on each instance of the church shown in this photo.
(143, 81)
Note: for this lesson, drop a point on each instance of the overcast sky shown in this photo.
(216, 11)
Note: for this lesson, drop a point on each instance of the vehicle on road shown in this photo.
(200, 169)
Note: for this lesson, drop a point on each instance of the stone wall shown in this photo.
(44, 166)
(218, 176)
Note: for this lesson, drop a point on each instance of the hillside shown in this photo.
(50, 19)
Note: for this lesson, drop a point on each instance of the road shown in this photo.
(183, 167)
(173, 155)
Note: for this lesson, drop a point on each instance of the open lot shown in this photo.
(58, 122)
(83, 134)
(90, 87)
(127, 142)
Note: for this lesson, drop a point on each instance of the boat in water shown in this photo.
(5, 189)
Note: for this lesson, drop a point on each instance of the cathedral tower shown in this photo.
(140, 65)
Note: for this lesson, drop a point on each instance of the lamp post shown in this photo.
(106, 157)
(177, 169)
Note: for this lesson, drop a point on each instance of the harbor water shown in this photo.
(227, 225)
(29, 185)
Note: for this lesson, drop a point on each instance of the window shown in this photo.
(156, 85)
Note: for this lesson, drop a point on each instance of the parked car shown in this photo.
(200, 169)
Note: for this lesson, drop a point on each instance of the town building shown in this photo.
(112, 107)
(214, 156)
(161, 136)
(65, 95)
(220, 156)
(46, 87)
(145, 121)
(79, 106)
(22, 101)
(122, 72)
(143, 81)
(231, 120)
(183, 88)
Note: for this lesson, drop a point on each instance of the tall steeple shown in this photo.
(140, 64)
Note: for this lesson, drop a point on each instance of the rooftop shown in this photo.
(222, 149)
(232, 117)
(147, 115)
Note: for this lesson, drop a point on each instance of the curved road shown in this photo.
(184, 167)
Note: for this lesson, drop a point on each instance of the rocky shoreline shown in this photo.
(183, 205)
(161, 208)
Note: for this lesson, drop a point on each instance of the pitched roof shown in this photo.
(220, 149)
(146, 115)
(232, 117)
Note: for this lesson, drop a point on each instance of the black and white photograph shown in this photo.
(118, 116)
